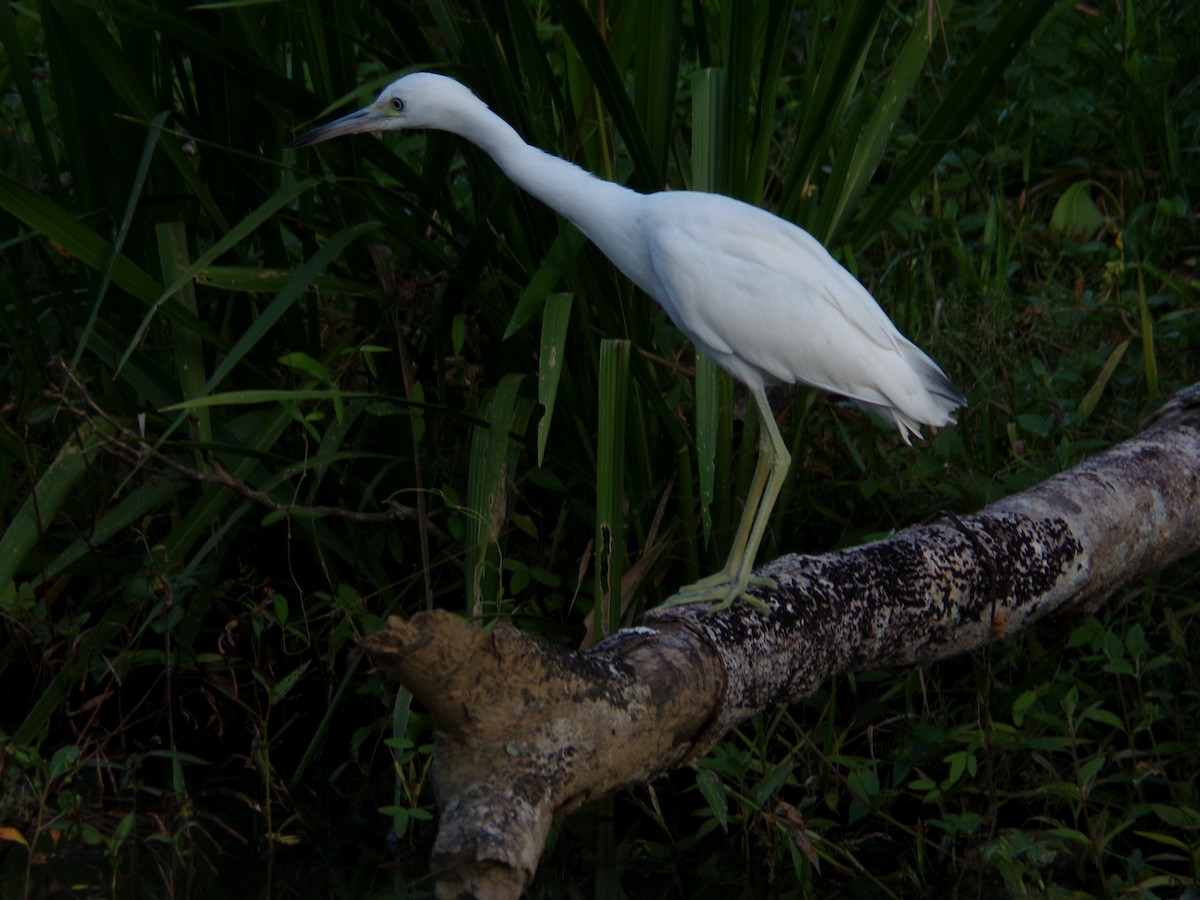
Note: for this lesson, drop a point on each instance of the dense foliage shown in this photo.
(255, 401)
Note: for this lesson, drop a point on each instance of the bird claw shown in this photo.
(724, 589)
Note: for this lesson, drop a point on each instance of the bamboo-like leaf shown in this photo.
(710, 161)
(777, 32)
(655, 43)
(256, 280)
(740, 27)
(114, 523)
(331, 250)
(828, 90)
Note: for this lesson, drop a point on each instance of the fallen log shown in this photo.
(525, 730)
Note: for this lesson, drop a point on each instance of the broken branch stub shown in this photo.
(525, 729)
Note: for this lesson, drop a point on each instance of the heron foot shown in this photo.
(722, 588)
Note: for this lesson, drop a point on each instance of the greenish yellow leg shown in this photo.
(735, 577)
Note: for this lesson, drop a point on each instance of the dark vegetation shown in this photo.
(209, 347)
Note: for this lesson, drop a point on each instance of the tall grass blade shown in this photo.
(710, 172)
(656, 43)
(1149, 360)
(567, 245)
(777, 32)
(189, 351)
(551, 361)
(610, 86)
(488, 483)
(610, 485)
(1092, 398)
(826, 95)
(135, 194)
(852, 177)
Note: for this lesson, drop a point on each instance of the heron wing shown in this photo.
(765, 300)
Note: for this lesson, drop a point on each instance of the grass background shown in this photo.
(255, 401)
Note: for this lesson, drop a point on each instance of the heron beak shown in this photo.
(365, 119)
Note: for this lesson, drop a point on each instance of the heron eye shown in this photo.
(397, 104)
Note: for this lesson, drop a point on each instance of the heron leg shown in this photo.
(735, 577)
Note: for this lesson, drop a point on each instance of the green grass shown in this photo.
(380, 323)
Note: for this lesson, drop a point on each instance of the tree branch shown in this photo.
(525, 730)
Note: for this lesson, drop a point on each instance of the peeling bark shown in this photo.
(525, 730)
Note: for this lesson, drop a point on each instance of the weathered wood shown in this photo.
(525, 729)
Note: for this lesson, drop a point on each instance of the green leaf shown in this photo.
(555, 264)
(189, 351)
(285, 684)
(1089, 770)
(302, 362)
(1088, 404)
(1075, 215)
(1167, 840)
(713, 792)
(1146, 321)
(1022, 705)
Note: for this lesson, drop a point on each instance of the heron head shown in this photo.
(420, 100)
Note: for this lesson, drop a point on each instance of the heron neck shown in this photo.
(602, 210)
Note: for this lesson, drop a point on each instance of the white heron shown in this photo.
(756, 294)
